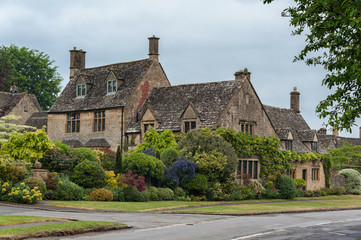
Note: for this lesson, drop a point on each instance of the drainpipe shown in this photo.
(122, 130)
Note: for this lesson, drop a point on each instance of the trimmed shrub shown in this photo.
(198, 185)
(144, 165)
(165, 194)
(179, 193)
(133, 195)
(169, 156)
(352, 180)
(287, 187)
(13, 170)
(181, 171)
(89, 174)
(78, 155)
(153, 193)
(118, 194)
(67, 190)
(118, 161)
(33, 182)
(101, 194)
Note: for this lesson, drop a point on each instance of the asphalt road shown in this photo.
(319, 225)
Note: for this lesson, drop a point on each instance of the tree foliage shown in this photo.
(32, 71)
(158, 141)
(333, 40)
(346, 155)
(29, 146)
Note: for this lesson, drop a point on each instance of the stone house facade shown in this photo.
(295, 135)
(98, 103)
(23, 105)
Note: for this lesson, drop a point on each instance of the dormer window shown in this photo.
(314, 146)
(189, 125)
(81, 90)
(289, 145)
(112, 86)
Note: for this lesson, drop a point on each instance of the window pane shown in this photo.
(73, 126)
(244, 167)
(68, 128)
(78, 125)
(114, 86)
(103, 114)
(95, 125)
(246, 128)
(255, 168)
(250, 130)
(193, 125)
(78, 116)
(186, 126)
(250, 165)
(99, 125)
(103, 124)
(83, 90)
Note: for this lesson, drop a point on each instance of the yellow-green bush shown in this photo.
(19, 193)
(101, 194)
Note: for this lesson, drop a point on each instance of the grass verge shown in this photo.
(58, 229)
(130, 206)
(313, 204)
(12, 220)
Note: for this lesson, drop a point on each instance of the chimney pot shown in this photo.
(322, 131)
(243, 75)
(295, 100)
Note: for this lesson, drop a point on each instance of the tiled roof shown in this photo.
(96, 97)
(352, 141)
(289, 120)
(283, 133)
(73, 142)
(38, 120)
(97, 142)
(209, 100)
(9, 101)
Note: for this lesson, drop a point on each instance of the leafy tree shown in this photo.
(169, 156)
(158, 141)
(29, 146)
(211, 165)
(346, 155)
(144, 165)
(207, 141)
(352, 180)
(32, 71)
(333, 40)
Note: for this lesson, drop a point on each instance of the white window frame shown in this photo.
(81, 90)
(112, 86)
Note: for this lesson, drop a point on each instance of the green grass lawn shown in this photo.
(239, 207)
(72, 227)
(335, 202)
(11, 220)
(130, 206)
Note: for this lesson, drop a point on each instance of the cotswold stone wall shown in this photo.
(245, 106)
(112, 133)
(24, 109)
(304, 169)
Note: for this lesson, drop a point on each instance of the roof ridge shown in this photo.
(114, 64)
(198, 84)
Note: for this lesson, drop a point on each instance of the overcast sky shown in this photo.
(200, 41)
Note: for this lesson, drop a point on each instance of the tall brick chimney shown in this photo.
(295, 100)
(243, 75)
(153, 48)
(77, 61)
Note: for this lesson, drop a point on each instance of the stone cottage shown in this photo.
(98, 103)
(19, 104)
(295, 135)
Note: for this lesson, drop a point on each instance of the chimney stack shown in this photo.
(243, 75)
(77, 61)
(335, 131)
(295, 100)
(153, 48)
(322, 131)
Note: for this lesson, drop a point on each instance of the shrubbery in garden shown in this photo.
(100, 195)
(287, 187)
(352, 180)
(19, 193)
(89, 174)
(65, 190)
